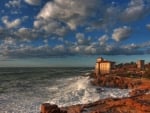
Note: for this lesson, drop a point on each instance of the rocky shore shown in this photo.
(138, 102)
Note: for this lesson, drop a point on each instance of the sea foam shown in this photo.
(78, 90)
(25, 95)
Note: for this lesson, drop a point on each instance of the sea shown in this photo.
(23, 90)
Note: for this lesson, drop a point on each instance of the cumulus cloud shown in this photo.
(14, 6)
(7, 44)
(59, 17)
(121, 33)
(33, 2)
(13, 3)
(81, 40)
(103, 39)
(93, 15)
(9, 41)
(51, 27)
(26, 34)
(27, 51)
(2, 31)
(70, 12)
(82, 50)
(9, 49)
(11, 24)
(148, 26)
(136, 9)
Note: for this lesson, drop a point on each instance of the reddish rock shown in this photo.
(75, 109)
(49, 108)
(139, 102)
(116, 81)
(138, 92)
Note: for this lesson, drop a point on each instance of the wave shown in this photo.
(25, 93)
(78, 90)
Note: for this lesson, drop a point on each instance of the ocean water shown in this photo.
(23, 90)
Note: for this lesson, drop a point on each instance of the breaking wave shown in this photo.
(78, 90)
(25, 93)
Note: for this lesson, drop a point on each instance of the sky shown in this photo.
(55, 33)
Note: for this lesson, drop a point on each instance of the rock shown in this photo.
(75, 109)
(139, 102)
(49, 108)
(116, 82)
(138, 92)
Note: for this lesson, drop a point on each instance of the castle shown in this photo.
(103, 66)
(140, 64)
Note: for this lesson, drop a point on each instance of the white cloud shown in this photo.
(1, 30)
(148, 26)
(59, 49)
(11, 24)
(90, 50)
(121, 33)
(33, 2)
(51, 27)
(130, 46)
(26, 34)
(70, 12)
(9, 41)
(9, 49)
(45, 41)
(58, 17)
(8, 44)
(94, 15)
(14, 7)
(25, 18)
(135, 10)
(81, 40)
(13, 3)
(103, 39)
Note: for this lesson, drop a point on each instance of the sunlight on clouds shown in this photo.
(62, 28)
(33, 2)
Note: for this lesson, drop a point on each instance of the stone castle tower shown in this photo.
(102, 66)
(140, 64)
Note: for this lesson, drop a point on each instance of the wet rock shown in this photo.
(139, 102)
(49, 108)
(138, 92)
(116, 82)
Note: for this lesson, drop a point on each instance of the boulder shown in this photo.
(51, 108)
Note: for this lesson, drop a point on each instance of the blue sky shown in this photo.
(73, 32)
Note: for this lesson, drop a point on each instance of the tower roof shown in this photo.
(100, 59)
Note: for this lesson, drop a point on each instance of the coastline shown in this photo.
(138, 102)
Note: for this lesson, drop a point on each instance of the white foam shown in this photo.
(63, 92)
(80, 91)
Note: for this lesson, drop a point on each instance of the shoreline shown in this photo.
(140, 92)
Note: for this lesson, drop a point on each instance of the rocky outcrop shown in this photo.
(116, 82)
(135, 104)
(138, 102)
(49, 108)
(138, 92)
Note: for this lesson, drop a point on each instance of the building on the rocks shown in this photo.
(140, 64)
(103, 66)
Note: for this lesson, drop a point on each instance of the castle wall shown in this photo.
(105, 67)
(102, 67)
(140, 64)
